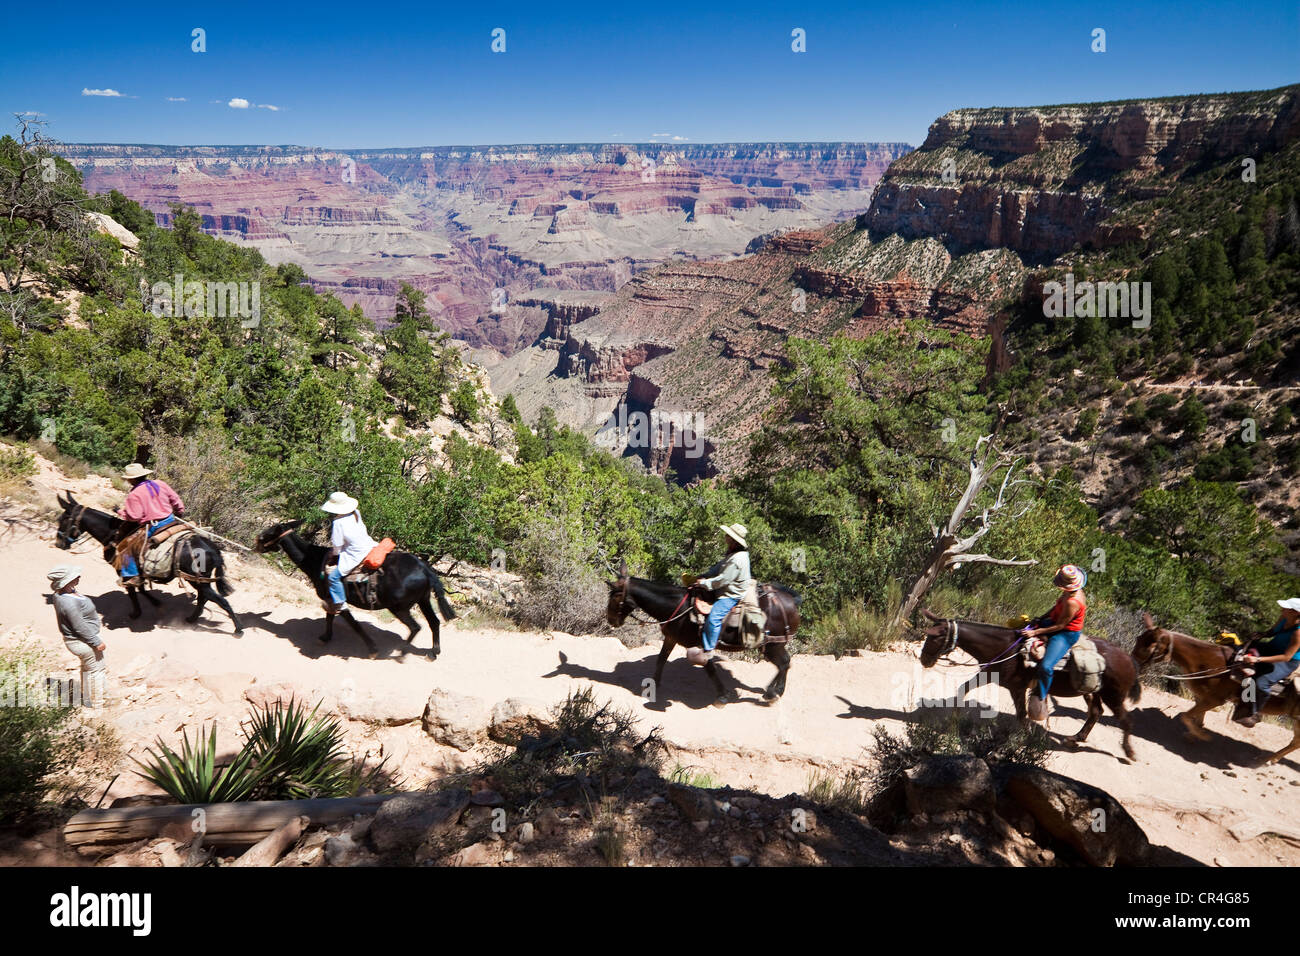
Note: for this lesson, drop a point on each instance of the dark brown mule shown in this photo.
(1214, 683)
(670, 606)
(999, 647)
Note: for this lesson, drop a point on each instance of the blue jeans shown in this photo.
(1058, 645)
(1264, 682)
(713, 624)
(129, 568)
(335, 581)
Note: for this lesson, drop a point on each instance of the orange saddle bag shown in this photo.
(375, 558)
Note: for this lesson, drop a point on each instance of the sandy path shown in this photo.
(1188, 796)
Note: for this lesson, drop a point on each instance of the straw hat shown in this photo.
(63, 575)
(736, 532)
(340, 503)
(136, 470)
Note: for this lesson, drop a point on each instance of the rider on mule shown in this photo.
(1063, 626)
(349, 540)
(729, 579)
(1281, 647)
(151, 503)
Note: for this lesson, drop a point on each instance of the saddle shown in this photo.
(361, 585)
(155, 556)
(1084, 662)
(744, 627)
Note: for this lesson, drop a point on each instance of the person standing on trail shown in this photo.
(1281, 659)
(729, 579)
(79, 625)
(349, 540)
(1062, 626)
(152, 503)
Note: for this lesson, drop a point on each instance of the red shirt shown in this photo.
(150, 500)
(1075, 623)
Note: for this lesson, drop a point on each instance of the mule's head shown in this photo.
(69, 522)
(269, 539)
(616, 611)
(940, 638)
(1153, 644)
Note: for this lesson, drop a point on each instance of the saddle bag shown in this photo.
(375, 559)
(1086, 666)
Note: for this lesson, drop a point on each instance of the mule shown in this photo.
(404, 580)
(670, 605)
(998, 648)
(1214, 682)
(198, 560)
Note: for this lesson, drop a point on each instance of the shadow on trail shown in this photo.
(170, 613)
(1220, 751)
(304, 633)
(686, 683)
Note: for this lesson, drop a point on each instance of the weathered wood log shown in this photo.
(270, 848)
(223, 824)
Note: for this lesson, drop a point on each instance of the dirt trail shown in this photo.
(1201, 799)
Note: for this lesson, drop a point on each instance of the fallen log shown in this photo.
(270, 848)
(222, 824)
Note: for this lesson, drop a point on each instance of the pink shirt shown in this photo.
(150, 500)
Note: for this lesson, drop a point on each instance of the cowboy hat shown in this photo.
(136, 470)
(1290, 604)
(736, 532)
(63, 575)
(340, 503)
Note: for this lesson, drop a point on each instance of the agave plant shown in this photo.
(193, 776)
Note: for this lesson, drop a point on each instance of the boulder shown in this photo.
(385, 710)
(455, 719)
(404, 822)
(696, 805)
(949, 783)
(1082, 816)
(517, 717)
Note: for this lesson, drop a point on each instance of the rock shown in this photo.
(135, 670)
(948, 783)
(739, 860)
(385, 710)
(228, 687)
(262, 696)
(455, 719)
(477, 854)
(339, 849)
(1080, 815)
(517, 717)
(526, 834)
(695, 804)
(404, 822)
(487, 798)
(548, 822)
(656, 801)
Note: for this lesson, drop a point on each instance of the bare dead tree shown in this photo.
(951, 545)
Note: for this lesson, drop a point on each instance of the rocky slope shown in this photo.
(956, 230)
(477, 227)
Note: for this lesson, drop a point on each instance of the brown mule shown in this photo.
(999, 646)
(1219, 686)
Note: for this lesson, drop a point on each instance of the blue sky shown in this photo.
(357, 75)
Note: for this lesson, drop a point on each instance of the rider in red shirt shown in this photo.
(1063, 626)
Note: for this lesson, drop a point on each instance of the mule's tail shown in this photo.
(224, 587)
(448, 612)
(1135, 692)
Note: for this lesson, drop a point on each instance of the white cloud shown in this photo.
(176, 99)
(268, 106)
(672, 136)
(238, 103)
(86, 91)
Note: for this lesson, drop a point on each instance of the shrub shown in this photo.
(17, 464)
(38, 741)
(562, 592)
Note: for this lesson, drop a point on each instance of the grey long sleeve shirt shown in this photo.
(729, 578)
(78, 620)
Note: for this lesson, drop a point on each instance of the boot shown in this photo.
(1038, 709)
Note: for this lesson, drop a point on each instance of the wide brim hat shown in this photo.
(340, 503)
(1069, 577)
(1290, 604)
(63, 575)
(136, 470)
(737, 532)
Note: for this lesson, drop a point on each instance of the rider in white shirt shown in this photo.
(348, 539)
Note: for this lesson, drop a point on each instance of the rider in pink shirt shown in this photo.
(151, 502)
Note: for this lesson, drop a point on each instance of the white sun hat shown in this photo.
(736, 532)
(136, 470)
(340, 503)
(1290, 604)
(63, 575)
